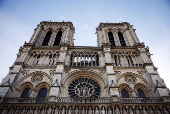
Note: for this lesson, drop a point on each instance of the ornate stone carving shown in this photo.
(117, 111)
(103, 111)
(90, 111)
(97, 111)
(140, 72)
(25, 72)
(117, 73)
(52, 72)
(37, 77)
(130, 79)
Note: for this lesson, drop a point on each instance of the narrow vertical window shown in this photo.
(58, 38)
(124, 93)
(140, 93)
(111, 39)
(25, 93)
(41, 95)
(121, 38)
(47, 38)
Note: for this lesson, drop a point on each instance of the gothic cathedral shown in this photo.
(52, 76)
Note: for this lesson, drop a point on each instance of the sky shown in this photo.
(150, 18)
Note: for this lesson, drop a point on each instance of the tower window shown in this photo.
(25, 93)
(47, 38)
(140, 93)
(41, 95)
(121, 39)
(111, 39)
(124, 93)
(57, 39)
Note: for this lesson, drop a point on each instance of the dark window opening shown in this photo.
(58, 38)
(47, 38)
(141, 94)
(41, 95)
(25, 94)
(111, 39)
(121, 39)
(124, 93)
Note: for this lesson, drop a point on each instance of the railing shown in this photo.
(152, 100)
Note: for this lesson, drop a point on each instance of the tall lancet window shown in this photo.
(111, 39)
(47, 38)
(140, 93)
(25, 93)
(121, 38)
(58, 38)
(124, 93)
(42, 95)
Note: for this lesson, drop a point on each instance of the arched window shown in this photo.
(57, 39)
(124, 93)
(41, 95)
(111, 39)
(140, 93)
(121, 38)
(25, 93)
(47, 38)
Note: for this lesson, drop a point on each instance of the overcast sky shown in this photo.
(151, 19)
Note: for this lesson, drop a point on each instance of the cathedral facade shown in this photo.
(52, 76)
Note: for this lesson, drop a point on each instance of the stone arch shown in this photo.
(144, 88)
(125, 87)
(42, 85)
(25, 85)
(68, 79)
(48, 29)
(46, 78)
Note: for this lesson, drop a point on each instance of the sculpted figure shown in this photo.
(103, 110)
(83, 111)
(17, 111)
(144, 110)
(124, 110)
(69, 110)
(63, 111)
(165, 111)
(90, 111)
(30, 111)
(76, 111)
(109, 111)
(131, 111)
(97, 111)
(151, 110)
(11, 111)
(4, 111)
(157, 111)
(23, 111)
(43, 110)
(49, 110)
(36, 111)
(56, 110)
(117, 111)
(137, 110)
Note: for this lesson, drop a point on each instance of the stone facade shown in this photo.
(52, 76)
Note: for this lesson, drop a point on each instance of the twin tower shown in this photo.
(117, 76)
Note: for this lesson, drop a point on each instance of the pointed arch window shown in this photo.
(41, 95)
(25, 93)
(141, 94)
(47, 38)
(121, 39)
(111, 38)
(124, 93)
(58, 38)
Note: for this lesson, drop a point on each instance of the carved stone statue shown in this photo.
(69, 110)
(17, 111)
(135, 93)
(131, 111)
(124, 110)
(151, 111)
(165, 111)
(157, 111)
(11, 111)
(4, 111)
(63, 111)
(43, 110)
(97, 111)
(90, 111)
(36, 111)
(56, 110)
(83, 111)
(103, 111)
(144, 110)
(30, 111)
(49, 110)
(109, 110)
(76, 111)
(117, 111)
(137, 110)
(24, 111)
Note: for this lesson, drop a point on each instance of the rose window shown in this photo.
(84, 87)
